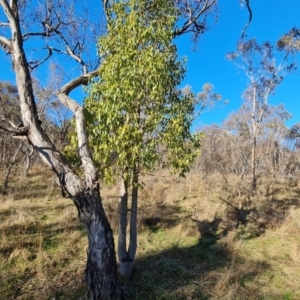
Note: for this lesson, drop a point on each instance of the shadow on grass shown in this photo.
(207, 270)
(212, 268)
(158, 217)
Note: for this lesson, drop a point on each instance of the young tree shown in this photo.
(139, 108)
(60, 28)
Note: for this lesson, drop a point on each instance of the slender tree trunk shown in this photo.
(13, 161)
(255, 125)
(133, 219)
(126, 258)
(253, 165)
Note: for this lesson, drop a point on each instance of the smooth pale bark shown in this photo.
(126, 257)
(101, 268)
(133, 218)
(28, 153)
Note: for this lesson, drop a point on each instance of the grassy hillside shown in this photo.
(189, 246)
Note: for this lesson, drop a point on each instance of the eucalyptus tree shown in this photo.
(258, 61)
(135, 107)
(269, 141)
(32, 34)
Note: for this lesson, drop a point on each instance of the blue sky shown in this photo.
(271, 19)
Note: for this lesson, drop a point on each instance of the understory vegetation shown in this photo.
(202, 237)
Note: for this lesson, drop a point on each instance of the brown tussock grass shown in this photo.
(43, 245)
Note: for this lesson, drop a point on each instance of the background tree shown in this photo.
(11, 148)
(226, 153)
(259, 64)
(270, 138)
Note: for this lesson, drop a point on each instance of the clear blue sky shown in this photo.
(271, 18)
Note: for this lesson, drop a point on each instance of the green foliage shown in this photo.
(135, 109)
(70, 151)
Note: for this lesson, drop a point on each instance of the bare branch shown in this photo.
(15, 130)
(250, 17)
(7, 7)
(194, 14)
(105, 8)
(36, 64)
(42, 33)
(4, 24)
(69, 51)
(73, 84)
(5, 44)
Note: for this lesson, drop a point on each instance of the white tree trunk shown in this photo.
(126, 258)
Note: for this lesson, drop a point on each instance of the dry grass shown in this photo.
(42, 243)
(183, 252)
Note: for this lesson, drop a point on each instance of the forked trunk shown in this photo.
(126, 258)
(101, 268)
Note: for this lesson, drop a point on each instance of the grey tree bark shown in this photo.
(101, 267)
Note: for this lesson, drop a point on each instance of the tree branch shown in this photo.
(250, 17)
(90, 170)
(27, 35)
(16, 130)
(73, 84)
(105, 8)
(69, 51)
(5, 44)
(193, 19)
(38, 63)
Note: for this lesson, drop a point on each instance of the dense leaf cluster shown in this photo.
(135, 110)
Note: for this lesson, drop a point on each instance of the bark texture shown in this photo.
(101, 268)
(126, 257)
